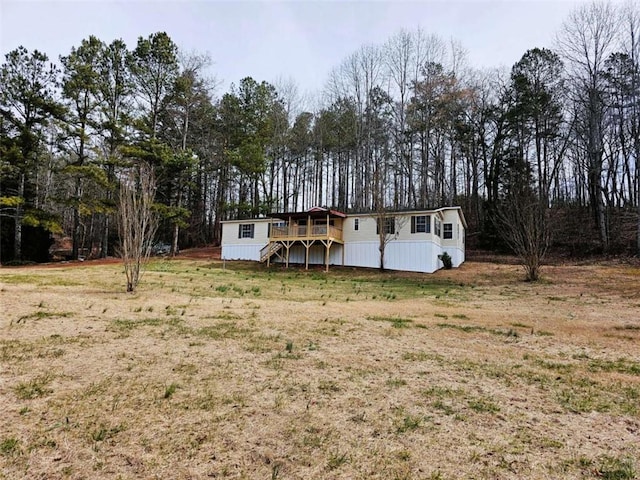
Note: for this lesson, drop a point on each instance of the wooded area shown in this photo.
(553, 144)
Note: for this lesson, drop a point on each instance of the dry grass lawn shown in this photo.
(252, 373)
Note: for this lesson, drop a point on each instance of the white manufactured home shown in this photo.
(413, 240)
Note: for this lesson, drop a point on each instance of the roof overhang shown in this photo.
(314, 213)
(399, 213)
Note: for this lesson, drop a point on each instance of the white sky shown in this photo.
(301, 40)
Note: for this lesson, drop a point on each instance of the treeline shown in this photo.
(405, 124)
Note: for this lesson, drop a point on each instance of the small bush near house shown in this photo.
(445, 258)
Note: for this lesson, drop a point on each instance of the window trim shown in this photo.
(388, 222)
(447, 234)
(421, 227)
(246, 230)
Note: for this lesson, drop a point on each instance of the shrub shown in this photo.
(445, 258)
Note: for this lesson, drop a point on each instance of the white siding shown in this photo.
(456, 254)
(457, 242)
(241, 252)
(230, 232)
(234, 248)
(398, 255)
(362, 254)
(367, 228)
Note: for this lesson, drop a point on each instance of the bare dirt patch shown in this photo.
(238, 371)
(200, 253)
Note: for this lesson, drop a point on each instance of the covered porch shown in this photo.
(316, 226)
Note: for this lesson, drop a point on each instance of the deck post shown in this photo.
(270, 233)
(301, 230)
(326, 254)
(306, 244)
(287, 246)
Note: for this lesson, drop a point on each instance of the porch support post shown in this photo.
(327, 245)
(287, 245)
(307, 244)
(328, 225)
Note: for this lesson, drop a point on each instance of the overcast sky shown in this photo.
(302, 40)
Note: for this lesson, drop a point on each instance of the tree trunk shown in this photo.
(76, 221)
(174, 241)
(105, 237)
(638, 205)
(17, 238)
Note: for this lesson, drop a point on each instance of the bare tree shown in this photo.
(586, 41)
(523, 223)
(356, 79)
(405, 55)
(138, 221)
(631, 47)
(387, 223)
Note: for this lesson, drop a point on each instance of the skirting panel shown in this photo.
(316, 254)
(241, 252)
(407, 256)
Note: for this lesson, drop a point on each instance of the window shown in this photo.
(246, 230)
(421, 224)
(447, 231)
(437, 227)
(389, 226)
(356, 224)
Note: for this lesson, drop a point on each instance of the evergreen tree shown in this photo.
(80, 90)
(27, 105)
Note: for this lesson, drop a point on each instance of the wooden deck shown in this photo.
(316, 226)
(282, 238)
(304, 232)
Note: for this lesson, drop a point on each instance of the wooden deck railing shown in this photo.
(304, 231)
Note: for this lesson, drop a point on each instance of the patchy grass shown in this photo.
(254, 372)
(620, 365)
(616, 468)
(41, 314)
(396, 322)
(9, 446)
(34, 388)
(476, 328)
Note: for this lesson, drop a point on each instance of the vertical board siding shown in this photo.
(241, 252)
(408, 256)
(316, 254)
(456, 254)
